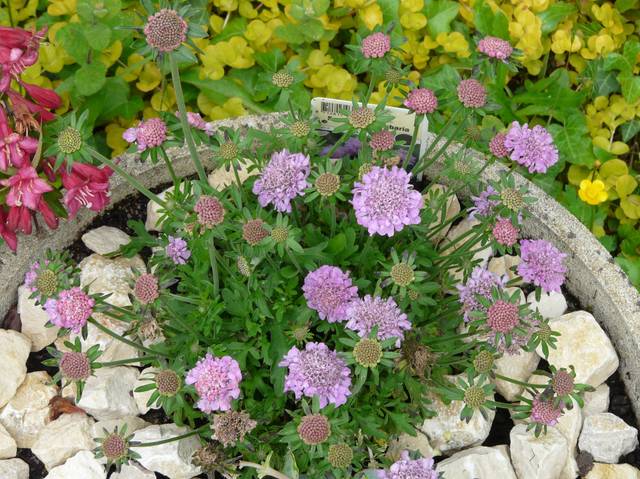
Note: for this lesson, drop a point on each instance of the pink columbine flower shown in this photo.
(328, 290)
(15, 149)
(71, 310)
(407, 468)
(18, 50)
(532, 148)
(495, 47)
(87, 186)
(365, 314)
(283, 179)
(6, 233)
(148, 134)
(422, 101)
(25, 188)
(542, 264)
(376, 45)
(317, 371)
(217, 382)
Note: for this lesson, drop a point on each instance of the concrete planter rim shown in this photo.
(593, 277)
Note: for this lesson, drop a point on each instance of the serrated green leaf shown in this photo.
(572, 140)
(98, 36)
(68, 36)
(90, 78)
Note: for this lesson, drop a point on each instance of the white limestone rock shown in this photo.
(83, 465)
(551, 305)
(405, 442)
(63, 438)
(447, 433)
(152, 223)
(8, 447)
(596, 401)
(434, 199)
(518, 366)
(105, 239)
(504, 265)
(133, 424)
(583, 344)
(133, 471)
(478, 463)
(467, 224)
(220, 178)
(613, 471)
(14, 469)
(33, 319)
(607, 437)
(173, 459)
(28, 411)
(540, 457)
(108, 393)
(110, 276)
(141, 398)
(14, 351)
(569, 425)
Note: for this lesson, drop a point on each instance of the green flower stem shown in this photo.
(121, 171)
(182, 109)
(414, 137)
(214, 266)
(456, 240)
(419, 167)
(332, 213)
(167, 162)
(175, 438)
(369, 89)
(503, 405)
(520, 383)
(444, 339)
(140, 347)
(145, 359)
(263, 470)
(184, 299)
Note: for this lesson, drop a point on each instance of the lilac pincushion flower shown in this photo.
(385, 201)
(217, 382)
(482, 204)
(329, 291)
(532, 148)
(71, 310)
(178, 250)
(317, 371)
(480, 283)
(407, 468)
(284, 178)
(495, 47)
(542, 264)
(365, 314)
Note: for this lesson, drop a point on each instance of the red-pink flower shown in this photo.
(15, 149)
(6, 233)
(26, 188)
(18, 50)
(86, 185)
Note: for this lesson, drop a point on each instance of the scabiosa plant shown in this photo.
(504, 232)
(329, 291)
(209, 210)
(382, 140)
(385, 201)
(74, 365)
(253, 231)
(472, 94)
(480, 284)
(483, 205)
(494, 47)
(406, 467)
(497, 146)
(216, 381)
(376, 45)
(370, 312)
(422, 101)
(532, 148)
(317, 371)
(114, 446)
(340, 455)
(150, 133)
(71, 309)
(283, 179)
(230, 427)
(177, 250)
(165, 30)
(542, 264)
(146, 289)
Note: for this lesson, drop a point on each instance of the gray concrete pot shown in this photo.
(593, 277)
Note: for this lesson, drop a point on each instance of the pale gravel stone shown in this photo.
(146, 377)
(110, 276)
(478, 463)
(405, 442)
(613, 471)
(105, 239)
(28, 411)
(551, 305)
(63, 438)
(540, 457)
(583, 344)
(8, 447)
(33, 320)
(14, 351)
(607, 437)
(14, 469)
(597, 401)
(434, 198)
(133, 471)
(133, 424)
(222, 177)
(462, 227)
(517, 366)
(82, 465)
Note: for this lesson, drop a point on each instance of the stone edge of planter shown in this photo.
(593, 277)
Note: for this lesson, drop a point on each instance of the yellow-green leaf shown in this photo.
(577, 173)
(625, 185)
(631, 206)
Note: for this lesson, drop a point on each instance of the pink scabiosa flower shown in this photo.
(503, 316)
(504, 232)
(544, 412)
(284, 178)
(26, 188)
(210, 211)
(496, 146)
(177, 250)
(317, 371)
(365, 314)
(385, 201)
(532, 148)
(480, 283)
(148, 134)
(71, 310)
(87, 186)
(196, 121)
(328, 290)
(495, 48)
(472, 93)
(542, 264)
(422, 101)
(382, 140)
(217, 382)
(146, 288)
(407, 468)
(483, 205)
(165, 30)
(376, 45)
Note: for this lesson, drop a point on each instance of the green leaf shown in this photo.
(98, 36)
(630, 85)
(630, 129)
(555, 14)
(440, 14)
(624, 5)
(631, 267)
(442, 78)
(69, 36)
(572, 140)
(236, 26)
(290, 466)
(390, 11)
(603, 81)
(90, 78)
(489, 23)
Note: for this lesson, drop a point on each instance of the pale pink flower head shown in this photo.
(217, 382)
(382, 140)
(532, 148)
(542, 264)
(504, 232)
(385, 201)
(148, 134)
(503, 316)
(26, 188)
(196, 121)
(407, 468)
(496, 146)
(495, 47)
(328, 290)
(365, 314)
(283, 179)
(71, 310)
(472, 93)
(422, 101)
(544, 412)
(165, 30)
(210, 211)
(376, 45)
(146, 288)
(317, 371)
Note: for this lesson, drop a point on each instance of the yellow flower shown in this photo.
(57, 8)
(114, 139)
(454, 42)
(258, 33)
(371, 15)
(592, 192)
(132, 71)
(164, 100)
(150, 77)
(231, 108)
(413, 20)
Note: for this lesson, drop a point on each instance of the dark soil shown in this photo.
(134, 207)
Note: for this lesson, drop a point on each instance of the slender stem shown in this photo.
(370, 89)
(175, 438)
(121, 171)
(146, 359)
(11, 22)
(332, 213)
(263, 470)
(104, 329)
(182, 109)
(214, 266)
(520, 383)
(184, 299)
(503, 405)
(414, 137)
(172, 172)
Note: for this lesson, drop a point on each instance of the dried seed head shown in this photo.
(361, 117)
(209, 458)
(413, 295)
(300, 128)
(282, 79)
(512, 199)
(230, 427)
(402, 274)
(280, 234)
(168, 382)
(253, 231)
(367, 353)
(69, 140)
(243, 266)
(75, 366)
(166, 30)
(228, 151)
(474, 396)
(47, 282)
(340, 456)
(327, 184)
(314, 429)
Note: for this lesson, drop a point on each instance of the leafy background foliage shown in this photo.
(580, 77)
